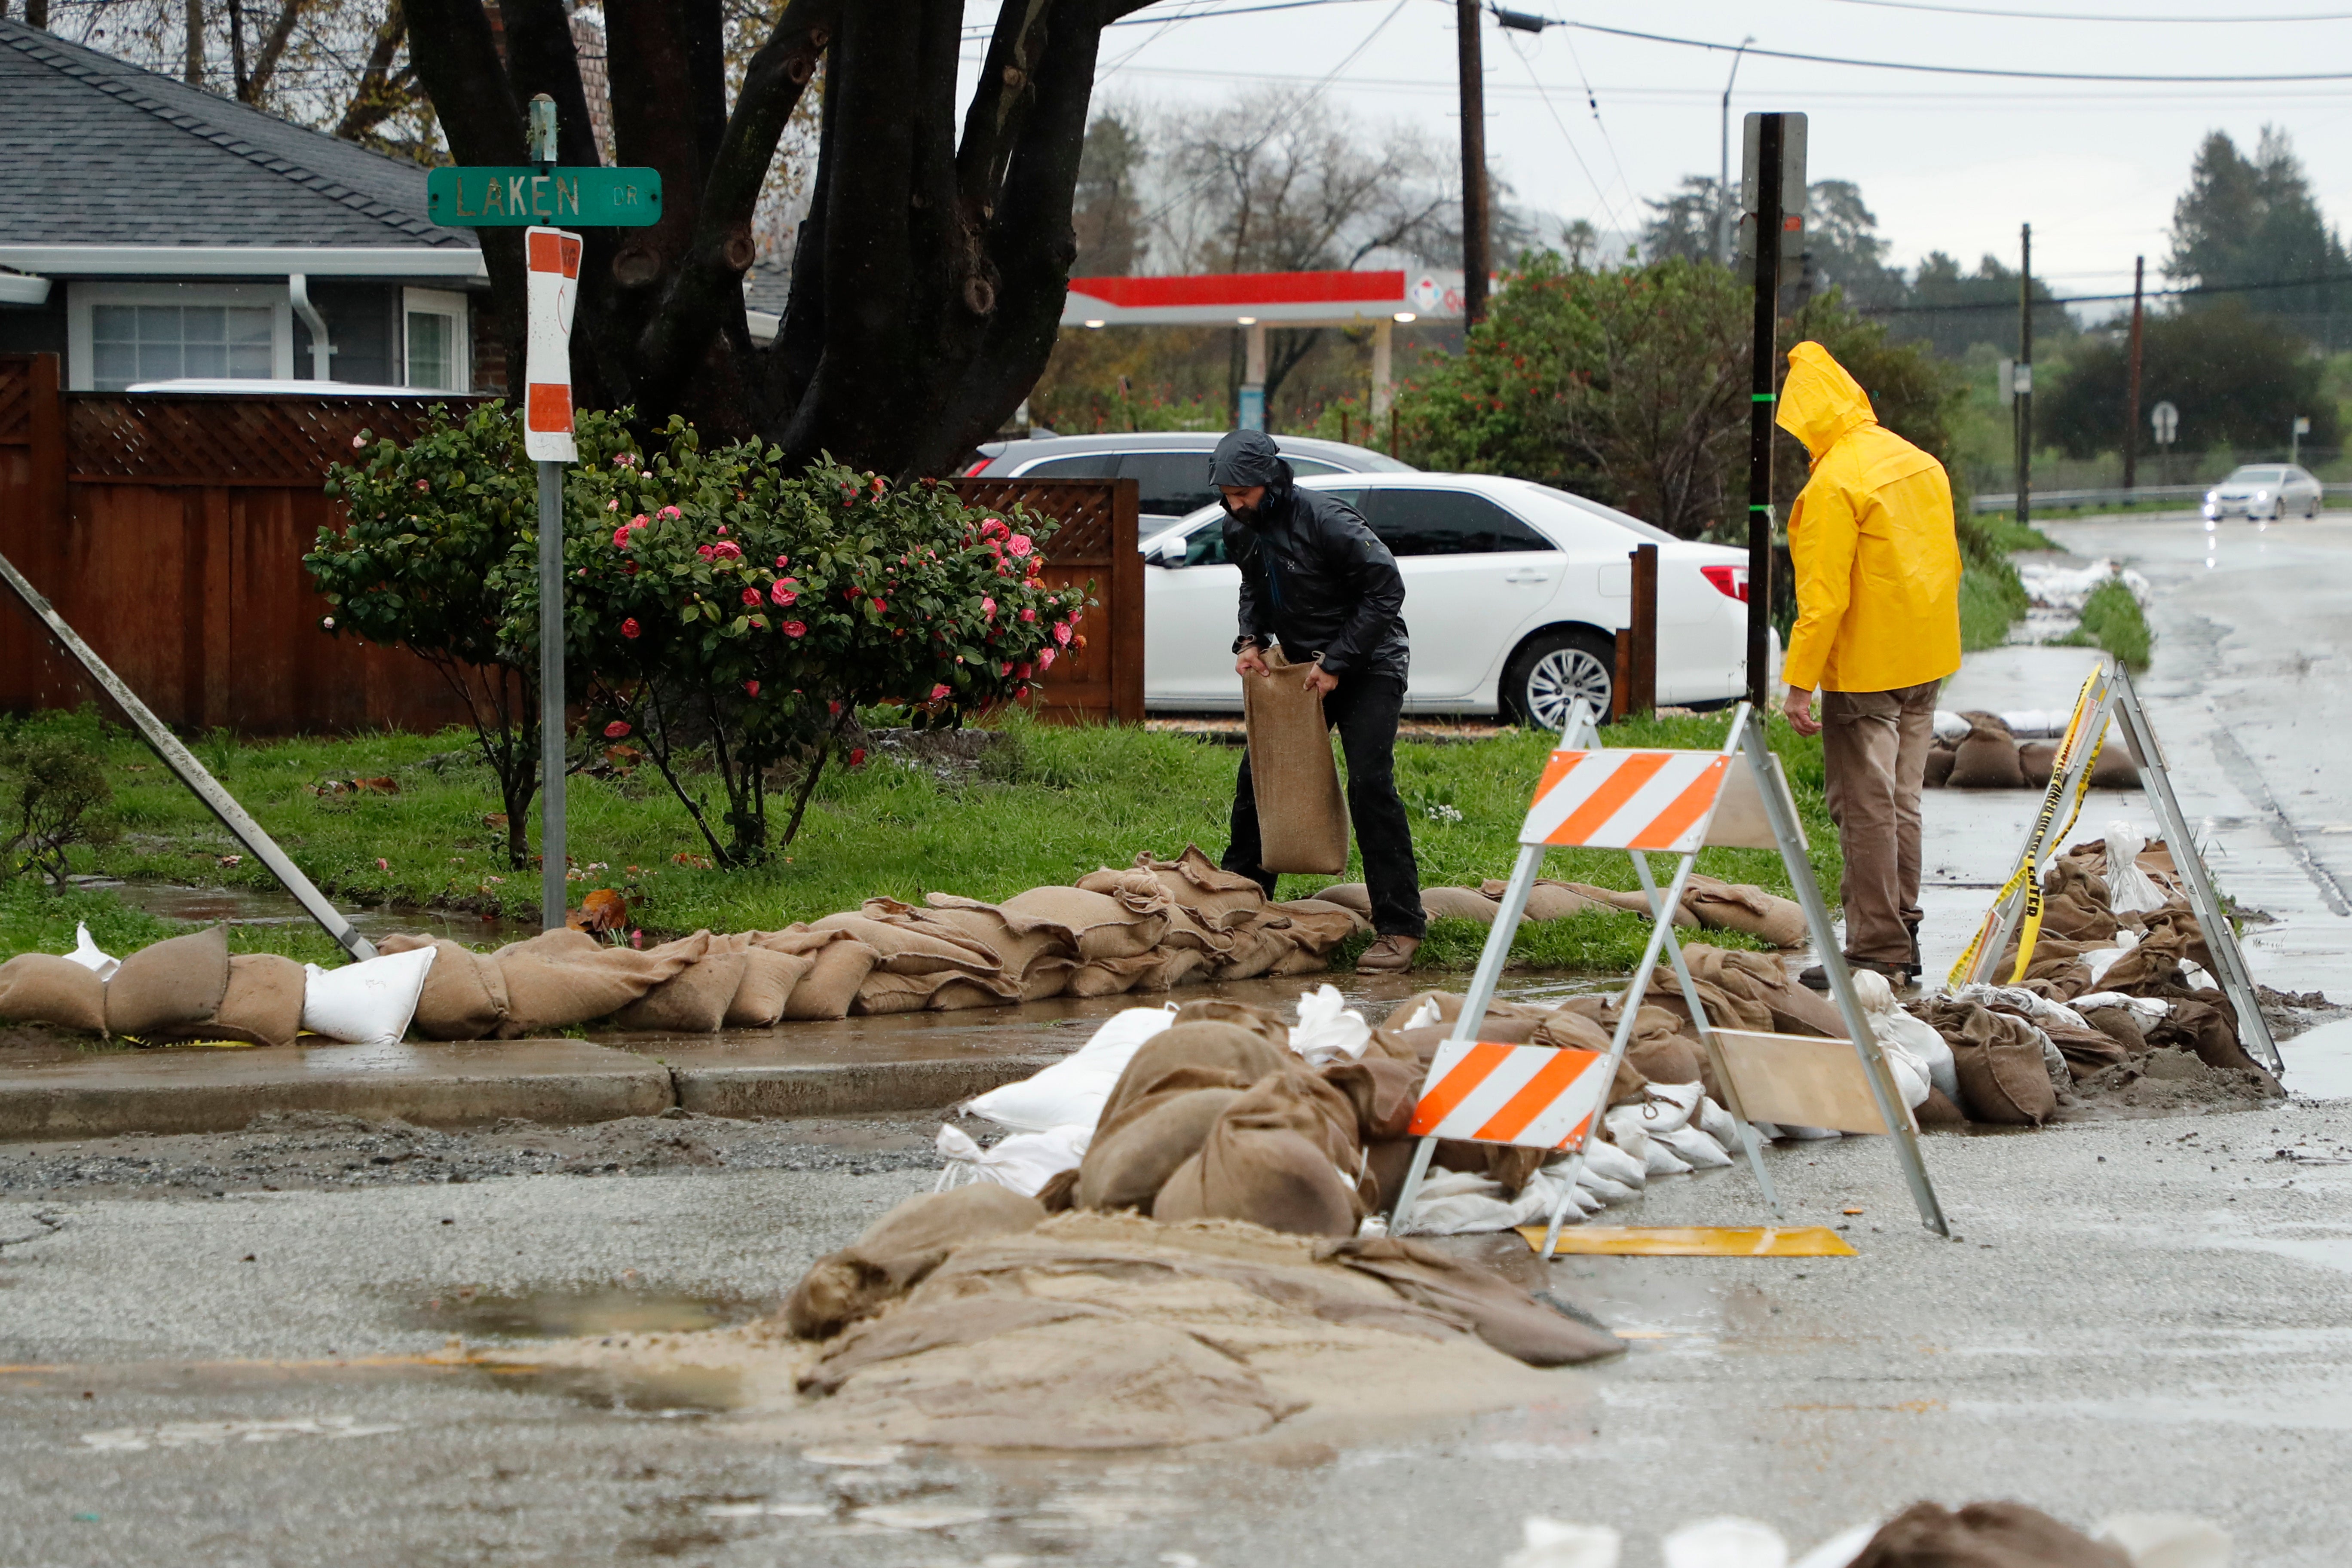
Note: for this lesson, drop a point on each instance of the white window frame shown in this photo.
(445, 302)
(81, 360)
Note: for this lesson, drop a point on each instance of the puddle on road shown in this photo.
(674, 1393)
(473, 1314)
(273, 906)
(2319, 1062)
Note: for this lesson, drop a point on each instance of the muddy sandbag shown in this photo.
(1983, 1535)
(465, 996)
(1497, 1312)
(897, 1251)
(559, 978)
(1939, 766)
(1213, 896)
(1383, 1092)
(1302, 816)
(1129, 920)
(2120, 1024)
(1260, 941)
(1746, 907)
(1110, 976)
(169, 984)
(838, 965)
(43, 988)
(2036, 760)
(2208, 1028)
(1273, 1158)
(1459, 903)
(1126, 1165)
(263, 1001)
(692, 1002)
(1938, 1111)
(766, 988)
(1987, 759)
(1999, 1058)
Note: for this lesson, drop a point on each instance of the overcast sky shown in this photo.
(1946, 163)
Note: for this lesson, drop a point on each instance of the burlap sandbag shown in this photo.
(1939, 766)
(1275, 1158)
(1983, 1535)
(1130, 919)
(1110, 976)
(1668, 1059)
(1999, 1058)
(1231, 1049)
(1500, 1312)
(1299, 960)
(1321, 925)
(1264, 1022)
(1354, 896)
(1127, 1164)
(2075, 903)
(560, 978)
(766, 987)
(838, 965)
(2204, 1023)
(1213, 896)
(907, 941)
(1988, 758)
(1763, 979)
(1937, 1110)
(1302, 816)
(169, 986)
(897, 1251)
(1460, 904)
(1383, 1092)
(692, 1002)
(1744, 907)
(1547, 900)
(2120, 1024)
(2113, 768)
(1636, 900)
(465, 995)
(43, 988)
(1261, 941)
(2036, 760)
(1037, 957)
(263, 1003)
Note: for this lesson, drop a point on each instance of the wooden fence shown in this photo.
(169, 530)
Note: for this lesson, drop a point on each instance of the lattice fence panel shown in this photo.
(183, 439)
(1084, 507)
(16, 400)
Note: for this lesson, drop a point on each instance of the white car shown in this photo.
(2270, 492)
(1514, 593)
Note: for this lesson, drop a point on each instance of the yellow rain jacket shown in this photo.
(1877, 562)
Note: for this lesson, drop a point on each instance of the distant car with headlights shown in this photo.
(2264, 493)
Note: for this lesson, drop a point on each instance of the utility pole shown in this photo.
(2024, 414)
(1723, 204)
(2131, 389)
(1763, 363)
(1476, 261)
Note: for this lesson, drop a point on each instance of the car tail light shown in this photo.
(1731, 582)
(976, 468)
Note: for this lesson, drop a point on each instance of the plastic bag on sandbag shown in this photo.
(1950, 727)
(367, 1004)
(1071, 1092)
(2099, 960)
(1695, 1148)
(2149, 1010)
(2167, 1541)
(1423, 1017)
(2130, 891)
(1025, 1162)
(1556, 1544)
(90, 955)
(1327, 1030)
(1725, 1543)
(2032, 1004)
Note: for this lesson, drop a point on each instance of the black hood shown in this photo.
(1248, 458)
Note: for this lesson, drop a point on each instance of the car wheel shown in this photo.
(1553, 670)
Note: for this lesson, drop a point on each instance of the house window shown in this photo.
(125, 334)
(434, 335)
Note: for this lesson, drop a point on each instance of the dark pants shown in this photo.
(1363, 709)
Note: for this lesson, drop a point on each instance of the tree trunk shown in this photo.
(929, 274)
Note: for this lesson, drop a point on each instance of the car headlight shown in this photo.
(2261, 495)
(2212, 497)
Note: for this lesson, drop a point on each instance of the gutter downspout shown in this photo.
(322, 350)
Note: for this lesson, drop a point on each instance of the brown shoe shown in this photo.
(1388, 955)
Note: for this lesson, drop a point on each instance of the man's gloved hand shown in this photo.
(1321, 681)
(1799, 710)
(1251, 661)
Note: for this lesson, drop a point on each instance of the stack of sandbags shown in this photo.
(189, 988)
(1979, 751)
(1744, 907)
(1550, 900)
(920, 961)
(1221, 924)
(2001, 1058)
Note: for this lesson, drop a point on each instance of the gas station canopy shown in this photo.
(1274, 298)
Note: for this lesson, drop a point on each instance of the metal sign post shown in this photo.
(1772, 167)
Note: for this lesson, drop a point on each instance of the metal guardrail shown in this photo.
(2008, 502)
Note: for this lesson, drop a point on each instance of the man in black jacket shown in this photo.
(1316, 579)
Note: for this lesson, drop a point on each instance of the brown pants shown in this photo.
(1875, 751)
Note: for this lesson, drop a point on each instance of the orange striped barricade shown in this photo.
(1642, 802)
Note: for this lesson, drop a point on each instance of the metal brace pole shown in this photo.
(177, 757)
(2002, 921)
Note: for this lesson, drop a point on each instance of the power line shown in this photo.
(2087, 16)
(1948, 70)
(1599, 194)
(2200, 290)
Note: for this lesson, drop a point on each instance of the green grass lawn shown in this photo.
(2113, 620)
(1049, 804)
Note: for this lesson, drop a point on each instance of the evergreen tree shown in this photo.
(2251, 224)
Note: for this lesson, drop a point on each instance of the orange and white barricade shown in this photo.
(1674, 803)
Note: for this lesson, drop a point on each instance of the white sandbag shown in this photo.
(1637, 1125)
(367, 1004)
(1456, 1203)
(1951, 727)
(1423, 1015)
(1662, 1160)
(1716, 1123)
(1556, 1544)
(1671, 1105)
(1839, 1549)
(2149, 1011)
(2033, 1005)
(1693, 1148)
(2038, 723)
(1602, 1187)
(1329, 1030)
(1073, 1090)
(1897, 1034)
(2099, 960)
(1615, 1164)
(2167, 1541)
(1025, 1162)
(2130, 891)
(1725, 1543)
(90, 956)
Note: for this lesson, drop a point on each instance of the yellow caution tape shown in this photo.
(1693, 1241)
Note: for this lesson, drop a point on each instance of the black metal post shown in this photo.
(1761, 396)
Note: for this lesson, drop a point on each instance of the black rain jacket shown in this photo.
(1313, 576)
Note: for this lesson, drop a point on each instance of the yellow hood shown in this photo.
(1820, 402)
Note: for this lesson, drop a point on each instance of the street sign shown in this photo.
(2005, 381)
(1793, 185)
(486, 197)
(2165, 420)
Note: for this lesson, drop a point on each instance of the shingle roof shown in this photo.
(95, 151)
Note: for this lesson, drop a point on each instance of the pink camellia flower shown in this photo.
(780, 592)
(794, 628)
(673, 511)
(1024, 669)
(938, 692)
(628, 568)
(629, 628)
(1061, 633)
(423, 486)
(637, 522)
(614, 505)
(1028, 614)
(878, 482)
(858, 757)
(359, 443)
(1005, 669)
(615, 730)
(993, 528)
(1045, 659)
(726, 550)
(782, 562)
(623, 460)
(879, 607)
(751, 689)
(752, 596)
(987, 608)
(704, 551)
(1020, 544)
(620, 537)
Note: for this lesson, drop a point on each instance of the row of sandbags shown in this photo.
(1708, 903)
(1989, 756)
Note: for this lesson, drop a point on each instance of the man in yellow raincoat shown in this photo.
(1878, 627)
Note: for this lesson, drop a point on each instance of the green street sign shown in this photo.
(518, 197)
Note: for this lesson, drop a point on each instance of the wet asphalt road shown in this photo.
(2137, 1316)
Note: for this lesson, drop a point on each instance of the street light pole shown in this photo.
(2025, 410)
(1723, 176)
(1476, 262)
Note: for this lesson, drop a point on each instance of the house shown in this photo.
(149, 231)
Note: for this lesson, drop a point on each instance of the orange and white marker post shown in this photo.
(552, 256)
(1668, 801)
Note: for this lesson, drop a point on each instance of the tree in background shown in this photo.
(1952, 311)
(2239, 378)
(1107, 213)
(2252, 223)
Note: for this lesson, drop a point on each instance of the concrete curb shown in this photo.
(849, 1090)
